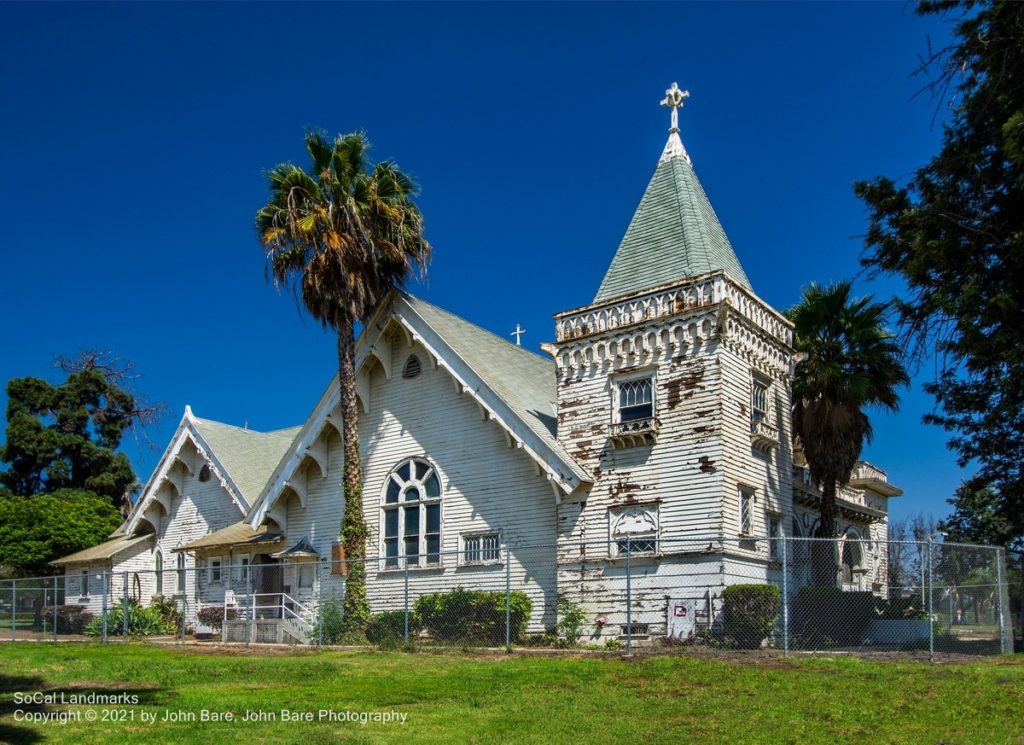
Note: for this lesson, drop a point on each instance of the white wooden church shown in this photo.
(659, 416)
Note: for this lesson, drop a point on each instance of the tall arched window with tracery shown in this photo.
(158, 575)
(412, 515)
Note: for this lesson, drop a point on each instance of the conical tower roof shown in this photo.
(674, 233)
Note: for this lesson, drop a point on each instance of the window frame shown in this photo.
(481, 550)
(424, 505)
(746, 496)
(182, 573)
(632, 379)
(775, 536)
(215, 564)
(618, 541)
(304, 568)
(83, 587)
(759, 385)
(158, 574)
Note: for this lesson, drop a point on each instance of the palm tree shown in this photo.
(847, 362)
(346, 234)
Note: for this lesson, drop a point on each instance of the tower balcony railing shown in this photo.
(635, 432)
(763, 436)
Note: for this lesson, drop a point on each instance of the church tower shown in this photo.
(673, 392)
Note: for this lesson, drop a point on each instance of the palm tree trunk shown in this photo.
(353, 524)
(824, 565)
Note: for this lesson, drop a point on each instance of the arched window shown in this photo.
(159, 574)
(204, 474)
(181, 572)
(851, 558)
(412, 367)
(412, 515)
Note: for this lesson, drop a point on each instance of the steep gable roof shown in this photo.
(241, 459)
(515, 387)
(674, 233)
(248, 456)
(524, 380)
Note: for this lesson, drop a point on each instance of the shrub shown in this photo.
(749, 613)
(570, 622)
(71, 619)
(388, 628)
(168, 610)
(474, 616)
(549, 639)
(213, 615)
(142, 621)
(330, 621)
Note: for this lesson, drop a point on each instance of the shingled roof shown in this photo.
(524, 380)
(248, 456)
(674, 233)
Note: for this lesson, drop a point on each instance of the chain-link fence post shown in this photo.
(931, 624)
(1000, 615)
(405, 602)
(103, 603)
(224, 616)
(55, 604)
(250, 603)
(508, 600)
(785, 598)
(124, 607)
(629, 597)
(320, 603)
(14, 610)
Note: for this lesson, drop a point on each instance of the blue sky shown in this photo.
(135, 137)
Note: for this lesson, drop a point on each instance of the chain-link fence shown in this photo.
(643, 592)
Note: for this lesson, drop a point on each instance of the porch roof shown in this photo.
(301, 550)
(239, 534)
(104, 551)
(859, 513)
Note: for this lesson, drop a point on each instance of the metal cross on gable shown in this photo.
(518, 333)
(674, 100)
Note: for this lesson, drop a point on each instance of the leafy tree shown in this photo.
(64, 481)
(66, 436)
(849, 362)
(954, 234)
(978, 517)
(346, 234)
(36, 530)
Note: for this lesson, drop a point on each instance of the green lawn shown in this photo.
(519, 698)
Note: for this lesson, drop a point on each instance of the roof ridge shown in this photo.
(457, 317)
(245, 430)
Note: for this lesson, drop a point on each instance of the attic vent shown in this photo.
(204, 473)
(412, 367)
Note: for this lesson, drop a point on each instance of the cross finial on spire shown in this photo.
(674, 100)
(518, 333)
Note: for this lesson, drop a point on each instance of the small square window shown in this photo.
(482, 549)
(638, 545)
(639, 629)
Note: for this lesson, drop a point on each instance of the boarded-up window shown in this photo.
(338, 565)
